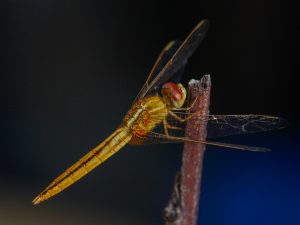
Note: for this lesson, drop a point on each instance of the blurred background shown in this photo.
(71, 69)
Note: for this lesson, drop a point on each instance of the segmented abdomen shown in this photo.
(87, 163)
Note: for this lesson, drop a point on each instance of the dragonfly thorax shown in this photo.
(145, 115)
(173, 94)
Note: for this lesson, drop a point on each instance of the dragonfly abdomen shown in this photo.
(87, 163)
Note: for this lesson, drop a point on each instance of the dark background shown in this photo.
(70, 70)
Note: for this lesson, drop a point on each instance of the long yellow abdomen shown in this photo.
(87, 163)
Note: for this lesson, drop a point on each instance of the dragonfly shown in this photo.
(159, 114)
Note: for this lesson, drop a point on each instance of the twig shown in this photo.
(182, 208)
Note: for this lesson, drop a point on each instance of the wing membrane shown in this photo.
(177, 60)
(158, 138)
(217, 126)
(165, 55)
(227, 125)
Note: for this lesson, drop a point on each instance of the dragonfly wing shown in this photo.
(177, 60)
(165, 55)
(227, 125)
(154, 138)
(159, 138)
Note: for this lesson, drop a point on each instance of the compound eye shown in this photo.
(175, 93)
(172, 90)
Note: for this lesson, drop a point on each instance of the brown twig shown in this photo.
(182, 208)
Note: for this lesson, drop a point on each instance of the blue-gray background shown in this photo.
(70, 70)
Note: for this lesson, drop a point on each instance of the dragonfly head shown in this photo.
(174, 94)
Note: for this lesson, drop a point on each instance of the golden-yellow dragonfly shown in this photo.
(160, 108)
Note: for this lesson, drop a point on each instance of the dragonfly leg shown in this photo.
(173, 127)
(167, 126)
(182, 119)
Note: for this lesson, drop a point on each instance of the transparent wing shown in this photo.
(165, 55)
(174, 61)
(228, 125)
(158, 138)
(217, 126)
